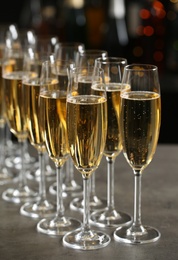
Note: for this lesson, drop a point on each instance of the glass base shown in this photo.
(40, 209)
(95, 204)
(125, 235)
(52, 190)
(110, 218)
(20, 195)
(58, 226)
(86, 240)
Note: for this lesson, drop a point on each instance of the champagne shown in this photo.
(54, 126)
(33, 116)
(14, 98)
(86, 127)
(140, 123)
(113, 141)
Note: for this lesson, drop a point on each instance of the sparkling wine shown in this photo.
(113, 141)
(33, 113)
(54, 125)
(140, 123)
(14, 102)
(86, 127)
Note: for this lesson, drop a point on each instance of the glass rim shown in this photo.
(113, 60)
(85, 68)
(93, 52)
(141, 67)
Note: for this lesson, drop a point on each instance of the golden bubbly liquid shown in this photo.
(34, 114)
(14, 101)
(140, 123)
(54, 127)
(113, 141)
(86, 128)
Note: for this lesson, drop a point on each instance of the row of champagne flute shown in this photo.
(11, 36)
(86, 136)
(28, 208)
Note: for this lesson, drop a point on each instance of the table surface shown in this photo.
(20, 240)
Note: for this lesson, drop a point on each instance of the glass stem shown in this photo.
(69, 172)
(42, 183)
(92, 185)
(110, 183)
(137, 227)
(59, 197)
(22, 175)
(86, 199)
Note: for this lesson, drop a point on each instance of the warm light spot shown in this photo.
(137, 51)
(174, 1)
(159, 9)
(148, 30)
(144, 14)
(158, 5)
(158, 56)
(77, 4)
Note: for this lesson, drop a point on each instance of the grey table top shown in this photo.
(20, 240)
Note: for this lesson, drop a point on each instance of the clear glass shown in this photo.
(113, 70)
(87, 59)
(42, 49)
(86, 129)
(5, 175)
(54, 82)
(68, 51)
(31, 87)
(12, 73)
(140, 120)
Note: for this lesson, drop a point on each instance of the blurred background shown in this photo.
(140, 30)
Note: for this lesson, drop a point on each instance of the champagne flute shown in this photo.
(113, 70)
(86, 128)
(54, 82)
(140, 119)
(87, 59)
(68, 51)
(43, 47)
(5, 175)
(18, 39)
(31, 87)
(12, 73)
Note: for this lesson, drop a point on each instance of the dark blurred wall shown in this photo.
(140, 30)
